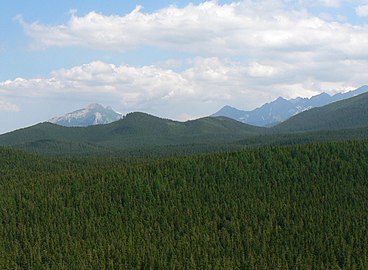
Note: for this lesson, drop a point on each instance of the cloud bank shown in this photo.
(208, 81)
(362, 11)
(255, 29)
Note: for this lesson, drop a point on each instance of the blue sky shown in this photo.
(175, 59)
(19, 59)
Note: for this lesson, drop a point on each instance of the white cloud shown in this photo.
(199, 90)
(252, 28)
(362, 10)
(328, 3)
(331, 3)
(132, 86)
(8, 106)
(258, 70)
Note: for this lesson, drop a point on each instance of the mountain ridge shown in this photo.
(349, 113)
(281, 109)
(93, 114)
(134, 131)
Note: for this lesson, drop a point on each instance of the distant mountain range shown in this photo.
(269, 114)
(143, 133)
(281, 109)
(94, 114)
(350, 113)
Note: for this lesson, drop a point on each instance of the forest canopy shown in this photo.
(280, 207)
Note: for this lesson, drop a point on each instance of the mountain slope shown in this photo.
(134, 131)
(345, 114)
(281, 109)
(94, 114)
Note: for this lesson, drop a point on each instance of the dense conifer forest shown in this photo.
(275, 207)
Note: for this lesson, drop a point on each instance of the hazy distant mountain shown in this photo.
(281, 109)
(341, 115)
(94, 114)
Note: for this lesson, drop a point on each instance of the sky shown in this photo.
(174, 59)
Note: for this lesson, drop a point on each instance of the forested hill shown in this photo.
(135, 131)
(295, 207)
(345, 114)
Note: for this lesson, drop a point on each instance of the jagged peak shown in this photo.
(93, 114)
(228, 107)
(96, 106)
(323, 94)
(280, 99)
(280, 109)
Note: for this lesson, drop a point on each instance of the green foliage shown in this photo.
(294, 207)
(305, 137)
